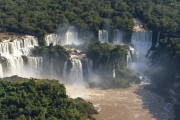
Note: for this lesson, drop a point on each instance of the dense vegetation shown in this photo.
(33, 99)
(158, 15)
(165, 75)
(107, 58)
(166, 59)
(57, 52)
(105, 53)
(38, 17)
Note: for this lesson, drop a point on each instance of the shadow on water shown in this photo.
(158, 108)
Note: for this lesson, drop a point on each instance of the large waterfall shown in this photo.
(18, 46)
(142, 42)
(12, 51)
(81, 68)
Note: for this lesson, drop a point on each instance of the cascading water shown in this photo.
(142, 42)
(1, 71)
(103, 36)
(51, 38)
(117, 37)
(34, 66)
(18, 46)
(71, 37)
(76, 72)
(65, 71)
(158, 37)
(12, 50)
(15, 65)
(87, 69)
(81, 68)
(68, 38)
(129, 57)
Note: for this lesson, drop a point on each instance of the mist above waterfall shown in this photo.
(68, 36)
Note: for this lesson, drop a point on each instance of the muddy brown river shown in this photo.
(134, 103)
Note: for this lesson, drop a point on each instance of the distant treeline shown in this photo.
(37, 17)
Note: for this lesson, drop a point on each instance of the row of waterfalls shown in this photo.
(139, 44)
(17, 59)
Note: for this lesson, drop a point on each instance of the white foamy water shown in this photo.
(103, 36)
(124, 104)
(67, 38)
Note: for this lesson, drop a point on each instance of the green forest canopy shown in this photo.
(34, 99)
(38, 17)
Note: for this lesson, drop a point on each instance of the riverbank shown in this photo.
(133, 103)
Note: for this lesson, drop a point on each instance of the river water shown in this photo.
(134, 103)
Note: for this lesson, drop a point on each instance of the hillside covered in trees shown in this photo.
(33, 99)
(38, 17)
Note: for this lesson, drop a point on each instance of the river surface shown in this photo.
(134, 103)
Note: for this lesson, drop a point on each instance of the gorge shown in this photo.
(18, 58)
(121, 55)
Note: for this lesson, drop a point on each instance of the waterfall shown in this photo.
(17, 66)
(1, 71)
(117, 37)
(142, 42)
(14, 66)
(68, 38)
(89, 66)
(71, 36)
(103, 36)
(114, 73)
(87, 69)
(65, 71)
(129, 57)
(51, 38)
(158, 37)
(34, 66)
(76, 72)
(15, 52)
(81, 67)
(18, 46)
